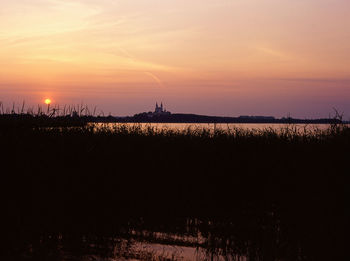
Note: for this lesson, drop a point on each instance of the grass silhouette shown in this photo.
(265, 194)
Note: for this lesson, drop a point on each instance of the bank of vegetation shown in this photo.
(266, 194)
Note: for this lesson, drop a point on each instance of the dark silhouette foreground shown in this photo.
(265, 195)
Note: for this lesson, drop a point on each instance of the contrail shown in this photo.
(160, 83)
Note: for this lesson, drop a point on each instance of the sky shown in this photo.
(213, 57)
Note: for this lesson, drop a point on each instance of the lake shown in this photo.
(190, 241)
(137, 246)
(218, 126)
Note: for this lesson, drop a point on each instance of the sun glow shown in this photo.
(47, 101)
(122, 55)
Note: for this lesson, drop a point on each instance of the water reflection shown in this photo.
(116, 248)
(195, 240)
(300, 128)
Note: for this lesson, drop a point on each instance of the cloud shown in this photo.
(154, 77)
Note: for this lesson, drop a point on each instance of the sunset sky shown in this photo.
(215, 57)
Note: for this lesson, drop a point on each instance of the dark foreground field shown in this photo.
(261, 195)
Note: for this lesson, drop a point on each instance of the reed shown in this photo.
(276, 193)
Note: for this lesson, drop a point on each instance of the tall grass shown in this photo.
(49, 110)
(271, 194)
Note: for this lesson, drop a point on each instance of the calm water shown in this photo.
(137, 246)
(222, 126)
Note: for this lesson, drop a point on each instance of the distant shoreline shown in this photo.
(80, 120)
(194, 118)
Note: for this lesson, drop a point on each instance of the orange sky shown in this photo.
(222, 57)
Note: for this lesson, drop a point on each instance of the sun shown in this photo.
(47, 101)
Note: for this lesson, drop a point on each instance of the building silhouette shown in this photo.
(160, 110)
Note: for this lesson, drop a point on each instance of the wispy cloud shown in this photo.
(199, 47)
